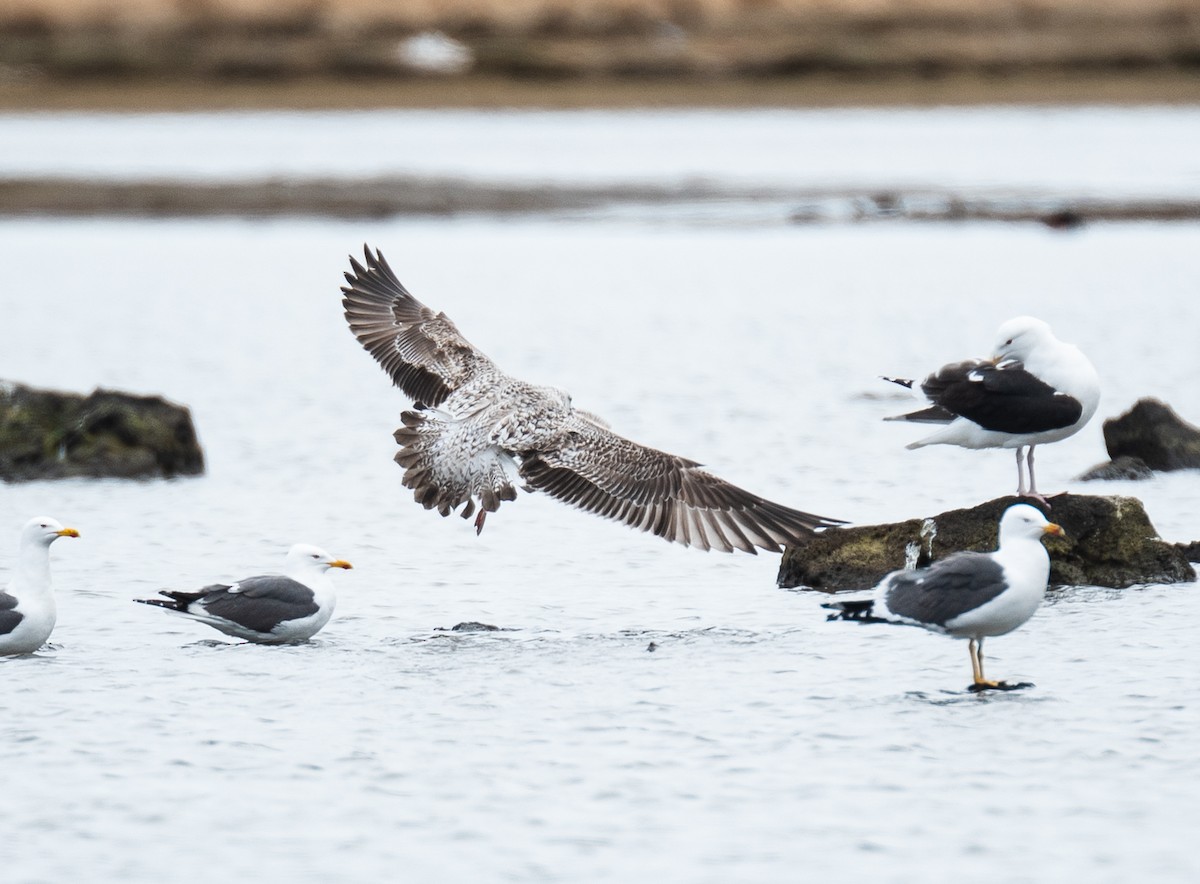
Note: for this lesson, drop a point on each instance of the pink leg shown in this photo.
(1033, 492)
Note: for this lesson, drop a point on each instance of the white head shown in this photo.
(306, 557)
(1026, 522)
(1017, 338)
(43, 531)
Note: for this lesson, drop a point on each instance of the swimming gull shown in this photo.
(1035, 389)
(27, 611)
(273, 609)
(969, 595)
(475, 433)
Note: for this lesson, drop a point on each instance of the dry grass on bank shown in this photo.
(562, 16)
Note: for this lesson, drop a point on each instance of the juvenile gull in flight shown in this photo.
(271, 610)
(1034, 390)
(475, 434)
(968, 595)
(27, 612)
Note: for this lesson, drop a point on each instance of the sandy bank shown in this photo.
(159, 53)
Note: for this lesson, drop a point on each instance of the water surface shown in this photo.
(757, 742)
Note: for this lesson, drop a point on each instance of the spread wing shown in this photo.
(599, 471)
(958, 583)
(423, 351)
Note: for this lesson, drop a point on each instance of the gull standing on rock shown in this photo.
(968, 595)
(271, 610)
(27, 611)
(1034, 390)
(475, 434)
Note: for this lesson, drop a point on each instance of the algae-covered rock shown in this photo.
(46, 434)
(1110, 542)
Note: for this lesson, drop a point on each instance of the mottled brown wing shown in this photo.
(423, 351)
(604, 473)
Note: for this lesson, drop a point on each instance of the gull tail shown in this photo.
(175, 600)
(446, 472)
(934, 414)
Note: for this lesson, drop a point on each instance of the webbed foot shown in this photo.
(981, 686)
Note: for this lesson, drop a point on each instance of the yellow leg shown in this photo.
(981, 683)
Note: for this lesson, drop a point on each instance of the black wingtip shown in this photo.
(860, 610)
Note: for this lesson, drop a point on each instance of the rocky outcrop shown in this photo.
(1110, 542)
(1148, 437)
(1152, 432)
(46, 434)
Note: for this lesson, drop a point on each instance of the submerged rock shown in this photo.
(1110, 542)
(45, 434)
(1126, 468)
(474, 626)
(1152, 434)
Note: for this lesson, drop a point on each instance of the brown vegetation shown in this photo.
(564, 16)
(44, 40)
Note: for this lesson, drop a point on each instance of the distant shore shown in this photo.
(415, 196)
(483, 92)
(161, 55)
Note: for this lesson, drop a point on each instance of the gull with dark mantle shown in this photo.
(475, 433)
(1034, 390)
(274, 609)
(968, 595)
(27, 610)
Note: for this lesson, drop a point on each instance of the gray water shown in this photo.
(757, 742)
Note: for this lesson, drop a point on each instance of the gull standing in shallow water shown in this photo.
(1034, 390)
(968, 595)
(27, 611)
(475, 433)
(271, 610)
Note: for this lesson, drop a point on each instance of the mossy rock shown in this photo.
(46, 434)
(1110, 542)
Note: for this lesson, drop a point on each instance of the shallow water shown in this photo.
(757, 741)
(1114, 151)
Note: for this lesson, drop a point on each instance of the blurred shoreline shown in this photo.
(126, 95)
(159, 56)
(222, 54)
(419, 196)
